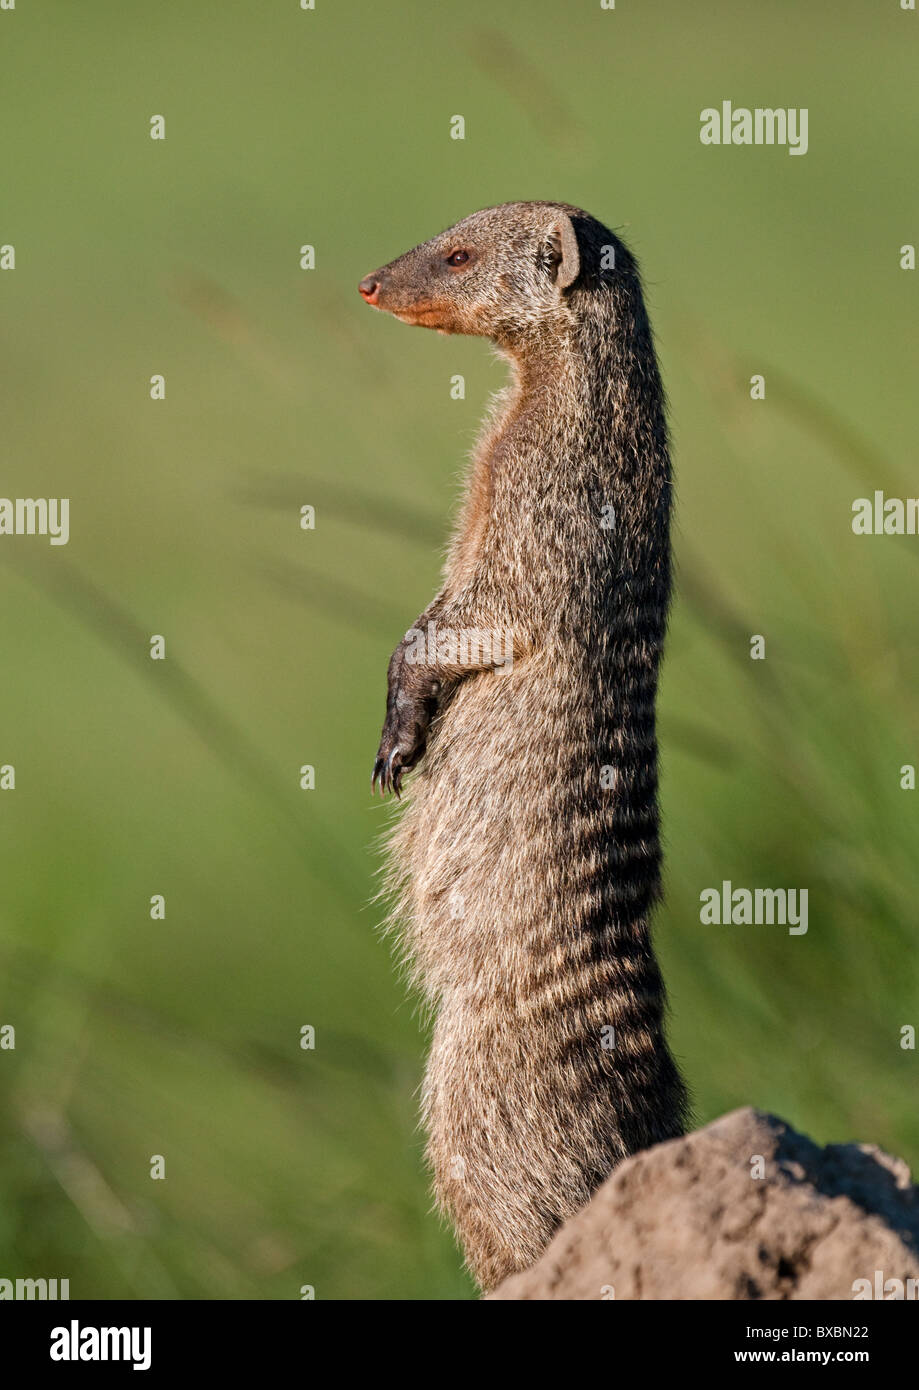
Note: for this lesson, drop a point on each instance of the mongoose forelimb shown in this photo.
(527, 860)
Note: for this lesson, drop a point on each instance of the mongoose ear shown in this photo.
(563, 246)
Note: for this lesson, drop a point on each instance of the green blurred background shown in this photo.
(181, 1037)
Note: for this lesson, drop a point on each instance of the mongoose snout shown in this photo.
(527, 882)
(487, 275)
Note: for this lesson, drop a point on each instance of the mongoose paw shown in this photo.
(402, 744)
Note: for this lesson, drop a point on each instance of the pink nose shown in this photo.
(370, 289)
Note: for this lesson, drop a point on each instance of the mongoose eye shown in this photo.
(458, 258)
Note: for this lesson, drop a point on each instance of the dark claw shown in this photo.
(389, 775)
(394, 773)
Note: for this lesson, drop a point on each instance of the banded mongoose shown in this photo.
(527, 860)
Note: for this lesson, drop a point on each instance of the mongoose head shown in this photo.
(506, 273)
